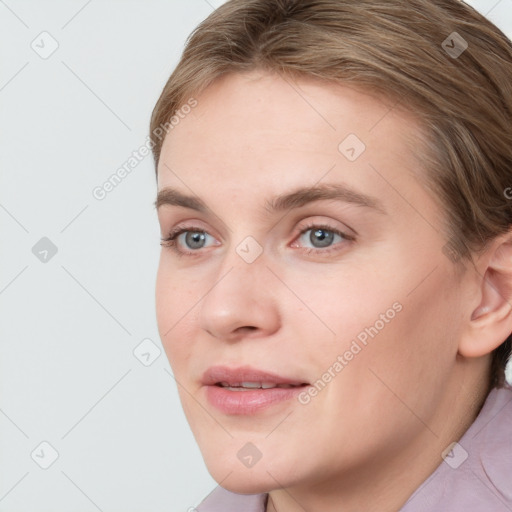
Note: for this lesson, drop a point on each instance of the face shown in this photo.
(311, 253)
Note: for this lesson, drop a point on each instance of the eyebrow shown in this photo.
(290, 200)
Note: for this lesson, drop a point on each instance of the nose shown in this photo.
(239, 302)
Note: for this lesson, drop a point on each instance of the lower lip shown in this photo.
(250, 401)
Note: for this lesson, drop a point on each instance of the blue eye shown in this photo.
(188, 241)
(194, 239)
(322, 237)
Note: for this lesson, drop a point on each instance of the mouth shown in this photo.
(246, 390)
(245, 386)
(247, 377)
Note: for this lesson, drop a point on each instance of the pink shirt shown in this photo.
(475, 476)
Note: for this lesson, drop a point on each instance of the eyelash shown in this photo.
(171, 240)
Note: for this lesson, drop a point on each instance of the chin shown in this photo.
(235, 477)
(263, 477)
(246, 482)
(248, 464)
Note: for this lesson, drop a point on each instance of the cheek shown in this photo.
(165, 297)
(338, 306)
(176, 293)
(410, 360)
(387, 320)
(174, 312)
(403, 366)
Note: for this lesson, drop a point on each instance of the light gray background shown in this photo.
(69, 326)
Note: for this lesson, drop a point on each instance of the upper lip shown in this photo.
(217, 374)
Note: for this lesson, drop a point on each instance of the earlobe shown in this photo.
(491, 321)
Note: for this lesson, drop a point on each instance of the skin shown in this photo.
(384, 420)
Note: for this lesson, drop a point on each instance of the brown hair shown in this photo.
(413, 52)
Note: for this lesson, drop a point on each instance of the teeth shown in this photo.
(254, 385)
(251, 385)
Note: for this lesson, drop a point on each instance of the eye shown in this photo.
(192, 238)
(188, 240)
(322, 238)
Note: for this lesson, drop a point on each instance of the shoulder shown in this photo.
(222, 500)
(476, 474)
(492, 444)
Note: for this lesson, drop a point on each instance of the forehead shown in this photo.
(257, 133)
(251, 103)
(300, 113)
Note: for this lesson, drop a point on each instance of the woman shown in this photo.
(335, 284)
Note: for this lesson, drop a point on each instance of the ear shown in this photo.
(490, 322)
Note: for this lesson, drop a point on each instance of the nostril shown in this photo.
(247, 327)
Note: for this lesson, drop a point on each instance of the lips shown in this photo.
(246, 391)
(240, 386)
(247, 377)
